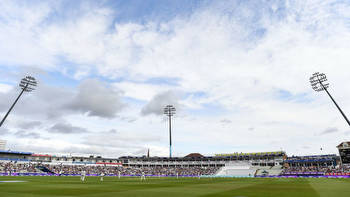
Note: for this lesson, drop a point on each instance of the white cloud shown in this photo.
(96, 99)
(158, 102)
(20, 34)
(5, 88)
(140, 91)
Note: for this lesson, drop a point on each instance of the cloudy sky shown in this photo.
(237, 72)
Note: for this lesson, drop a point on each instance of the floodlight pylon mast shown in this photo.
(169, 111)
(319, 78)
(27, 84)
(335, 103)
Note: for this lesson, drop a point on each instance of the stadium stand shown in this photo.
(13, 168)
(194, 164)
(313, 160)
(237, 169)
(263, 164)
(269, 171)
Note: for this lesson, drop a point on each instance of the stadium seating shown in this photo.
(18, 167)
(268, 170)
(28, 168)
(44, 169)
(237, 169)
(13, 159)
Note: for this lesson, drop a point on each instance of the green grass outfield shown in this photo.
(112, 186)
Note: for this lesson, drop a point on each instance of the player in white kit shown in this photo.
(82, 175)
(143, 177)
(101, 176)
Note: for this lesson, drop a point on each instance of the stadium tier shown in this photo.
(2, 144)
(313, 160)
(191, 165)
(198, 160)
(344, 152)
(191, 160)
(261, 164)
(237, 169)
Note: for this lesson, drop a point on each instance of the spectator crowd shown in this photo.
(12, 167)
(315, 169)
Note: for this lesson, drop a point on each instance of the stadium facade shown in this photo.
(2, 144)
(191, 160)
(17, 156)
(312, 160)
(277, 158)
(257, 164)
(198, 160)
(344, 152)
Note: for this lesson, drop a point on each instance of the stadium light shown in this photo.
(169, 110)
(318, 83)
(27, 84)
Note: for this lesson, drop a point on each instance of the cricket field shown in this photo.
(132, 186)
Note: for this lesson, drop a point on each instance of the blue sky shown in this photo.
(237, 72)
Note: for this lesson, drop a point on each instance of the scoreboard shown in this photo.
(344, 152)
(344, 156)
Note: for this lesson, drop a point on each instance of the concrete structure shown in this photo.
(344, 152)
(198, 160)
(2, 144)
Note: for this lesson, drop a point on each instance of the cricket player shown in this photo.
(101, 176)
(82, 175)
(143, 177)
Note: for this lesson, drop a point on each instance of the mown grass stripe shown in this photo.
(260, 187)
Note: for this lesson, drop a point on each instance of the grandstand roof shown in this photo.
(41, 155)
(312, 156)
(344, 145)
(196, 155)
(15, 152)
(276, 153)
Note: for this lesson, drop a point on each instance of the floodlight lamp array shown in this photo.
(317, 81)
(28, 84)
(169, 110)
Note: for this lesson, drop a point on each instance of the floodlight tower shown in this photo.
(27, 84)
(169, 110)
(317, 83)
